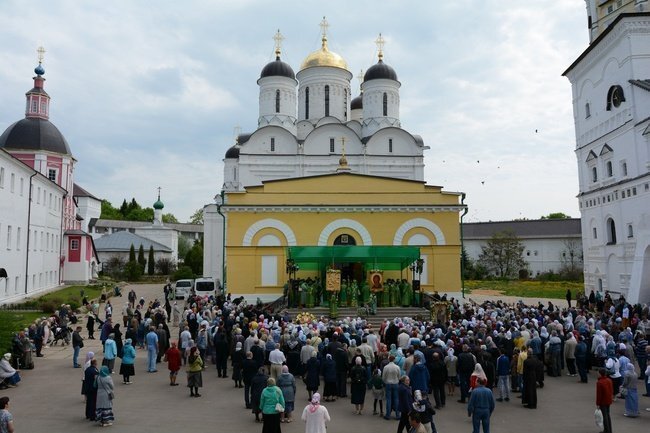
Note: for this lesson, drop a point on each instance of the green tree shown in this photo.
(197, 217)
(169, 218)
(132, 254)
(133, 270)
(124, 209)
(184, 245)
(114, 267)
(184, 272)
(194, 259)
(109, 212)
(141, 260)
(502, 255)
(556, 216)
(151, 262)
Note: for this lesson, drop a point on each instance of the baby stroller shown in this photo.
(62, 333)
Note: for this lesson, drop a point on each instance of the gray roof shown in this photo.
(644, 84)
(122, 241)
(546, 228)
(78, 191)
(120, 224)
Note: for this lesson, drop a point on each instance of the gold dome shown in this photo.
(324, 57)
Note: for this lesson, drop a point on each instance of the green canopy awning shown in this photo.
(384, 257)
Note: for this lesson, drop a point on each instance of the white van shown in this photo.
(206, 286)
(183, 288)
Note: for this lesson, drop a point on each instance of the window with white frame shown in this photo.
(390, 145)
(609, 169)
(18, 238)
(2, 177)
(630, 231)
(51, 174)
(22, 186)
(8, 237)
(12, 182)
(74, 244)
(587, 111)
(332, 144)
(272, 144)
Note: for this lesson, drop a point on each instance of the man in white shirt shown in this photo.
(390, 376)
(276, 358)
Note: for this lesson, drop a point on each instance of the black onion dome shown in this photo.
(356, 103)
(34, 134)
(380, 70)
(277, 68)
(233, 152)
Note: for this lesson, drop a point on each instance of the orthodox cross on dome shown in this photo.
(380, 41)
(343, 162)
(360, 78)
(159, 188)
(278, 38)
(324, 25)
(41, 54)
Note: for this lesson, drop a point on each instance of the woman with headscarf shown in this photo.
(629, 390)
(237, 358)
(312, 374)
(287, 383)
(89, 389)
(358, 384)
(89, 357)
(8, 375)
(258, 383)
(451, 362)
(104, 404)
(272, 405)
(315, 416)
(476, 375)
(328, 370)
(194, 369)
(127, 368)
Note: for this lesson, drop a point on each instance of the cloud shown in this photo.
(150, 96)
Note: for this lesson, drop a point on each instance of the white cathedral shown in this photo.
(307, 122)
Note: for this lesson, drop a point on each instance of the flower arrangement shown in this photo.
(305, 318)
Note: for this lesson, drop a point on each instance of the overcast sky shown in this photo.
(148, 93)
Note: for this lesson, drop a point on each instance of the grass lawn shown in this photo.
(527, 289)
(13, 321)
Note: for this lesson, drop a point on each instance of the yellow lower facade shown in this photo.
(342, 209)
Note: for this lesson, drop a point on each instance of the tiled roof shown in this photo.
(546, 228)
(122, 241)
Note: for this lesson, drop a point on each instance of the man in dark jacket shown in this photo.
(438, 374)
(258, 383)
(249, 368)
(581, 354)
(405, 397)
(341, 360)
(77, 344)
(465, 369)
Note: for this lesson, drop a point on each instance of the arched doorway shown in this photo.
(349, 270)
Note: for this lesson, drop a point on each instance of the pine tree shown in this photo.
(132, 254)
(141, 260)
(150, 262)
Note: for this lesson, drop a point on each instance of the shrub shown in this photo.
(165, 266)
(133, 271)
(184, 272)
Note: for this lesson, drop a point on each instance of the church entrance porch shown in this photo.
(353, 266)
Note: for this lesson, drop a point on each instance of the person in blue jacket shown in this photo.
(480, 407)
(503, 372)
(419, 375)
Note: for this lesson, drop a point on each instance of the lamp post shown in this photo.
(219, 199)
(292, 268)
(416, 269)
(462, 247)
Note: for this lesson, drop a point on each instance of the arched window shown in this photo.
(611, 232)
(327, 100)
(385, 104)
(307, 103)
(610, 172)
(587, 111)
(594, 174)
(630, 231)
(277, 101)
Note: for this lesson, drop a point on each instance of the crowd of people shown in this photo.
(410, 368)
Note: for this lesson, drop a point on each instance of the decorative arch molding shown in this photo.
(269, 223)
(344, 223)
(422, 223)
